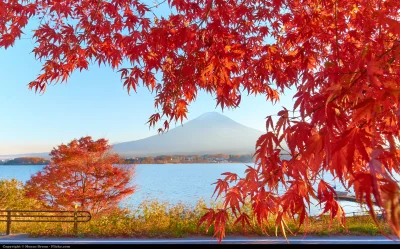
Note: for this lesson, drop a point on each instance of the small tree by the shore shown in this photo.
(82, 173)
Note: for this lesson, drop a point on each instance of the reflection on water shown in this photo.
(185, 183)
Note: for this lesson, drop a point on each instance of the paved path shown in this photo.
(24, 239)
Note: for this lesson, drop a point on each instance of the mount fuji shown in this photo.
(210, 133)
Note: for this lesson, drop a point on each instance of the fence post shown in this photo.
(76, 221)
(8, 231)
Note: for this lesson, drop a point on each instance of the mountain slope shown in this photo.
(210, 133)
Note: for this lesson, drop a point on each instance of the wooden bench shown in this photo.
(75, 217)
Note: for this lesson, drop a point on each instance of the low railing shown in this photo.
(75, 217)
(379, 215)
(350, 198)
(356, 215)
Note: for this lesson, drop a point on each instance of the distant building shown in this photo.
(221, 160)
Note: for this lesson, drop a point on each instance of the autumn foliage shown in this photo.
(82, 173)
(341, 57)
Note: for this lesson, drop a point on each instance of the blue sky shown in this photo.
(92, 103)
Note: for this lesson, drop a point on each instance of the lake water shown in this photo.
(186, 183)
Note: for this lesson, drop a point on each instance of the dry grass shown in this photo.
(154, 219)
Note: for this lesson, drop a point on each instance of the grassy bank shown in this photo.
(154, 219)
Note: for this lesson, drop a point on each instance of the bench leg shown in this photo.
(8, 231)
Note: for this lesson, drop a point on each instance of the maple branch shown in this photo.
(363, 72)
(337, 36)
(96, 12)
(155, 6)
(206, 15)
(158, 4)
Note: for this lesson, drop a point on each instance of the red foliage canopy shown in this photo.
(82, 173)
(342, 57)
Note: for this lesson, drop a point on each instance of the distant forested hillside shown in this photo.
(27, 161)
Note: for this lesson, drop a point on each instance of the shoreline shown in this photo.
(131, 164)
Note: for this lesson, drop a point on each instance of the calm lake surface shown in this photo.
(173, 183)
